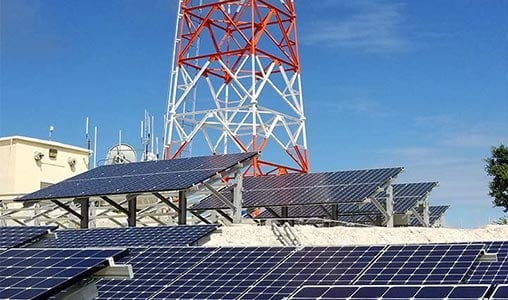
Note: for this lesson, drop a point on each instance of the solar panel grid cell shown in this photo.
(225, 274)
(39, 273)
(492, 272)
(154, 268)
(422, 264)
(500, 293)
(11, 237)
(319, 265)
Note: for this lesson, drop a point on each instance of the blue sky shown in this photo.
(419, 84)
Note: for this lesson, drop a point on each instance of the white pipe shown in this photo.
(95, 147)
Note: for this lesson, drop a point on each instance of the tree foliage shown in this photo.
(497, 167)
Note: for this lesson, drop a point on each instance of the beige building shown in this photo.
(27, 164)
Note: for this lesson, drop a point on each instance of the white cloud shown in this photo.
(358, 105)
(372, 26)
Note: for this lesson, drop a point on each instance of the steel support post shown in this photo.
(131, 204)
(425, 213)
(85, 212)
(284, 214)
(182, 208)
(237, 198)
(389, 205)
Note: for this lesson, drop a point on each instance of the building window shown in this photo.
(53, 153)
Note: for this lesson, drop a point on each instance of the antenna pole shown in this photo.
(87, 136)
(151, 133)
(95, 147)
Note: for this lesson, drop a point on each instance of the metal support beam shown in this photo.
(115, 205)
(67, 208)
(425, 212)
(3, 210)
(389, 206)
(273, 212)
(182, 205)
(323, 208)
(237, 198)
(284, 212)
(335, 212)
(219, 196)
(225, 215)
(382, 209)
(131, 204)
(166, 201)
(85, 212)
(200, 217)
(418, 217)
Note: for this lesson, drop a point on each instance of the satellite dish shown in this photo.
(121, 154)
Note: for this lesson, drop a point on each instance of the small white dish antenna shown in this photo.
(121, 154)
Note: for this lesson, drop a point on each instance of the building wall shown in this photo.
(21, 173)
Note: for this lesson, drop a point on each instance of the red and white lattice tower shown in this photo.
(235, 84)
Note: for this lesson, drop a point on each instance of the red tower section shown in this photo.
(235, 84)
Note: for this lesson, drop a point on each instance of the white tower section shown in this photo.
(242, 90)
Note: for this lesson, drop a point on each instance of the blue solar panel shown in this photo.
(154, 268)
(492, 272)
(422, 264)
(405, 197)
(163, 175)
(11, 237)
(306, 189)
(40, 273)
(318, 265)
(465, 292)
(130, 237)
(225, 274)
(500, 293)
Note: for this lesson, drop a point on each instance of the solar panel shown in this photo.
(492, 272)
(405, 197)
(225, 274)
(162, 175)
(11, 237)
(40, 273)
(154, 268)
(500, 293)
(306, 189)
(317, 265)
(422, 264)
(131, 237)
(464, 292)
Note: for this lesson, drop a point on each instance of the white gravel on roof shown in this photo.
(252, 235)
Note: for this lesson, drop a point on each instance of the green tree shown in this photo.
(497, 167)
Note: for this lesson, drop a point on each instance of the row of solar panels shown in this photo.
(314, 191)
(163, 272)
(385, 292)
(39, 273)
(132, 237)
